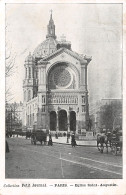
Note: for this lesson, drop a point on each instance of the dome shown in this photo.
(29, 58)
(46, 48)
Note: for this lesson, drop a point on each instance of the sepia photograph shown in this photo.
(63, 104)
(62, 84)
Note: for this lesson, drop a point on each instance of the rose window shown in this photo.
(61, 77)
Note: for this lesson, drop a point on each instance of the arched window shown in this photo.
(29, 73)
(83, 99)
(30, 109)
(28, 119)
(24, 95)
(83, 108)
(26, 73)
(36, 74)
(33, 118)
(29, 95)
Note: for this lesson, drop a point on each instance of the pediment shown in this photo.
(63, 54)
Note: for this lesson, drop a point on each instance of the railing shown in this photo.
(62, 99)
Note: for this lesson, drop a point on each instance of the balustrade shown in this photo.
(62, 99)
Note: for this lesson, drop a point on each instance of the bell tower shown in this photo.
(29, 87)
(51, 28)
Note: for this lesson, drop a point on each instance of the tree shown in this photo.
(10, 62)
(110, 115)
(9, 65)
(9, 71)
(13, 117)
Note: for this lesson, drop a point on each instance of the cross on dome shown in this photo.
(51, 11)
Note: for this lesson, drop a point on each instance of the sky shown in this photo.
(93, 30)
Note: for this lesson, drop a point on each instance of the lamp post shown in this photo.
(67, 137)
(68, 133)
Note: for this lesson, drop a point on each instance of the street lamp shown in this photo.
(68, 133)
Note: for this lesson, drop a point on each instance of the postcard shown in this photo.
(62, 97)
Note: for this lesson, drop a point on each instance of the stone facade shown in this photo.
(55, 86)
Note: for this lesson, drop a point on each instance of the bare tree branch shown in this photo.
(10, 65)
(8, 95)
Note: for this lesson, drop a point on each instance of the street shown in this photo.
(59, 161)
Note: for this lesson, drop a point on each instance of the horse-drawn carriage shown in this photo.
(28, 134)
(39, 136)
(112, 140)
(116, 143)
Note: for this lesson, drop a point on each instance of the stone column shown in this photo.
(68, 120)
(42, 77)
(27, 72)
(57, 121)
(48, 120)
(83, 76)
(31, 72)
(77, 120)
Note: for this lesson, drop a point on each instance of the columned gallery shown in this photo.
(55, 86)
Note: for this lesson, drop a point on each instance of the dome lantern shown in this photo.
(51, 28)
(29, 58)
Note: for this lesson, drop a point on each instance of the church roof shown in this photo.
(69, 52)
(50, 44)
(51, 47)
(45, 48)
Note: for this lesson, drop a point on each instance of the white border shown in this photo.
(121, 188)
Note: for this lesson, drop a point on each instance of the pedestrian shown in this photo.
(56, 135)
(50, 143)
(7, 147)
(73, 141)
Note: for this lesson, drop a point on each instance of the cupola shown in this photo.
(29, 58)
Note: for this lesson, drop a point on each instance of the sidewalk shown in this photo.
(63, 140)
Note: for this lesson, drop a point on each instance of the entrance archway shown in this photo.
(62, 120)
(53, 121)
(72, 121)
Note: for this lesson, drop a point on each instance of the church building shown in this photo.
(55, 86)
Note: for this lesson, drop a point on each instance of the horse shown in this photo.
(102, 139)
(109, 137)
(28, 134)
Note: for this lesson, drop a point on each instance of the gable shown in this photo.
(64, 57)
(62, 54)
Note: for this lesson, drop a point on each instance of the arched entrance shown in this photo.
(62, 120)
(53, 121)
(72, 121)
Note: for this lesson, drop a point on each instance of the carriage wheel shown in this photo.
(114, 150)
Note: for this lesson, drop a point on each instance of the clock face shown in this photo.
(60, 77)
